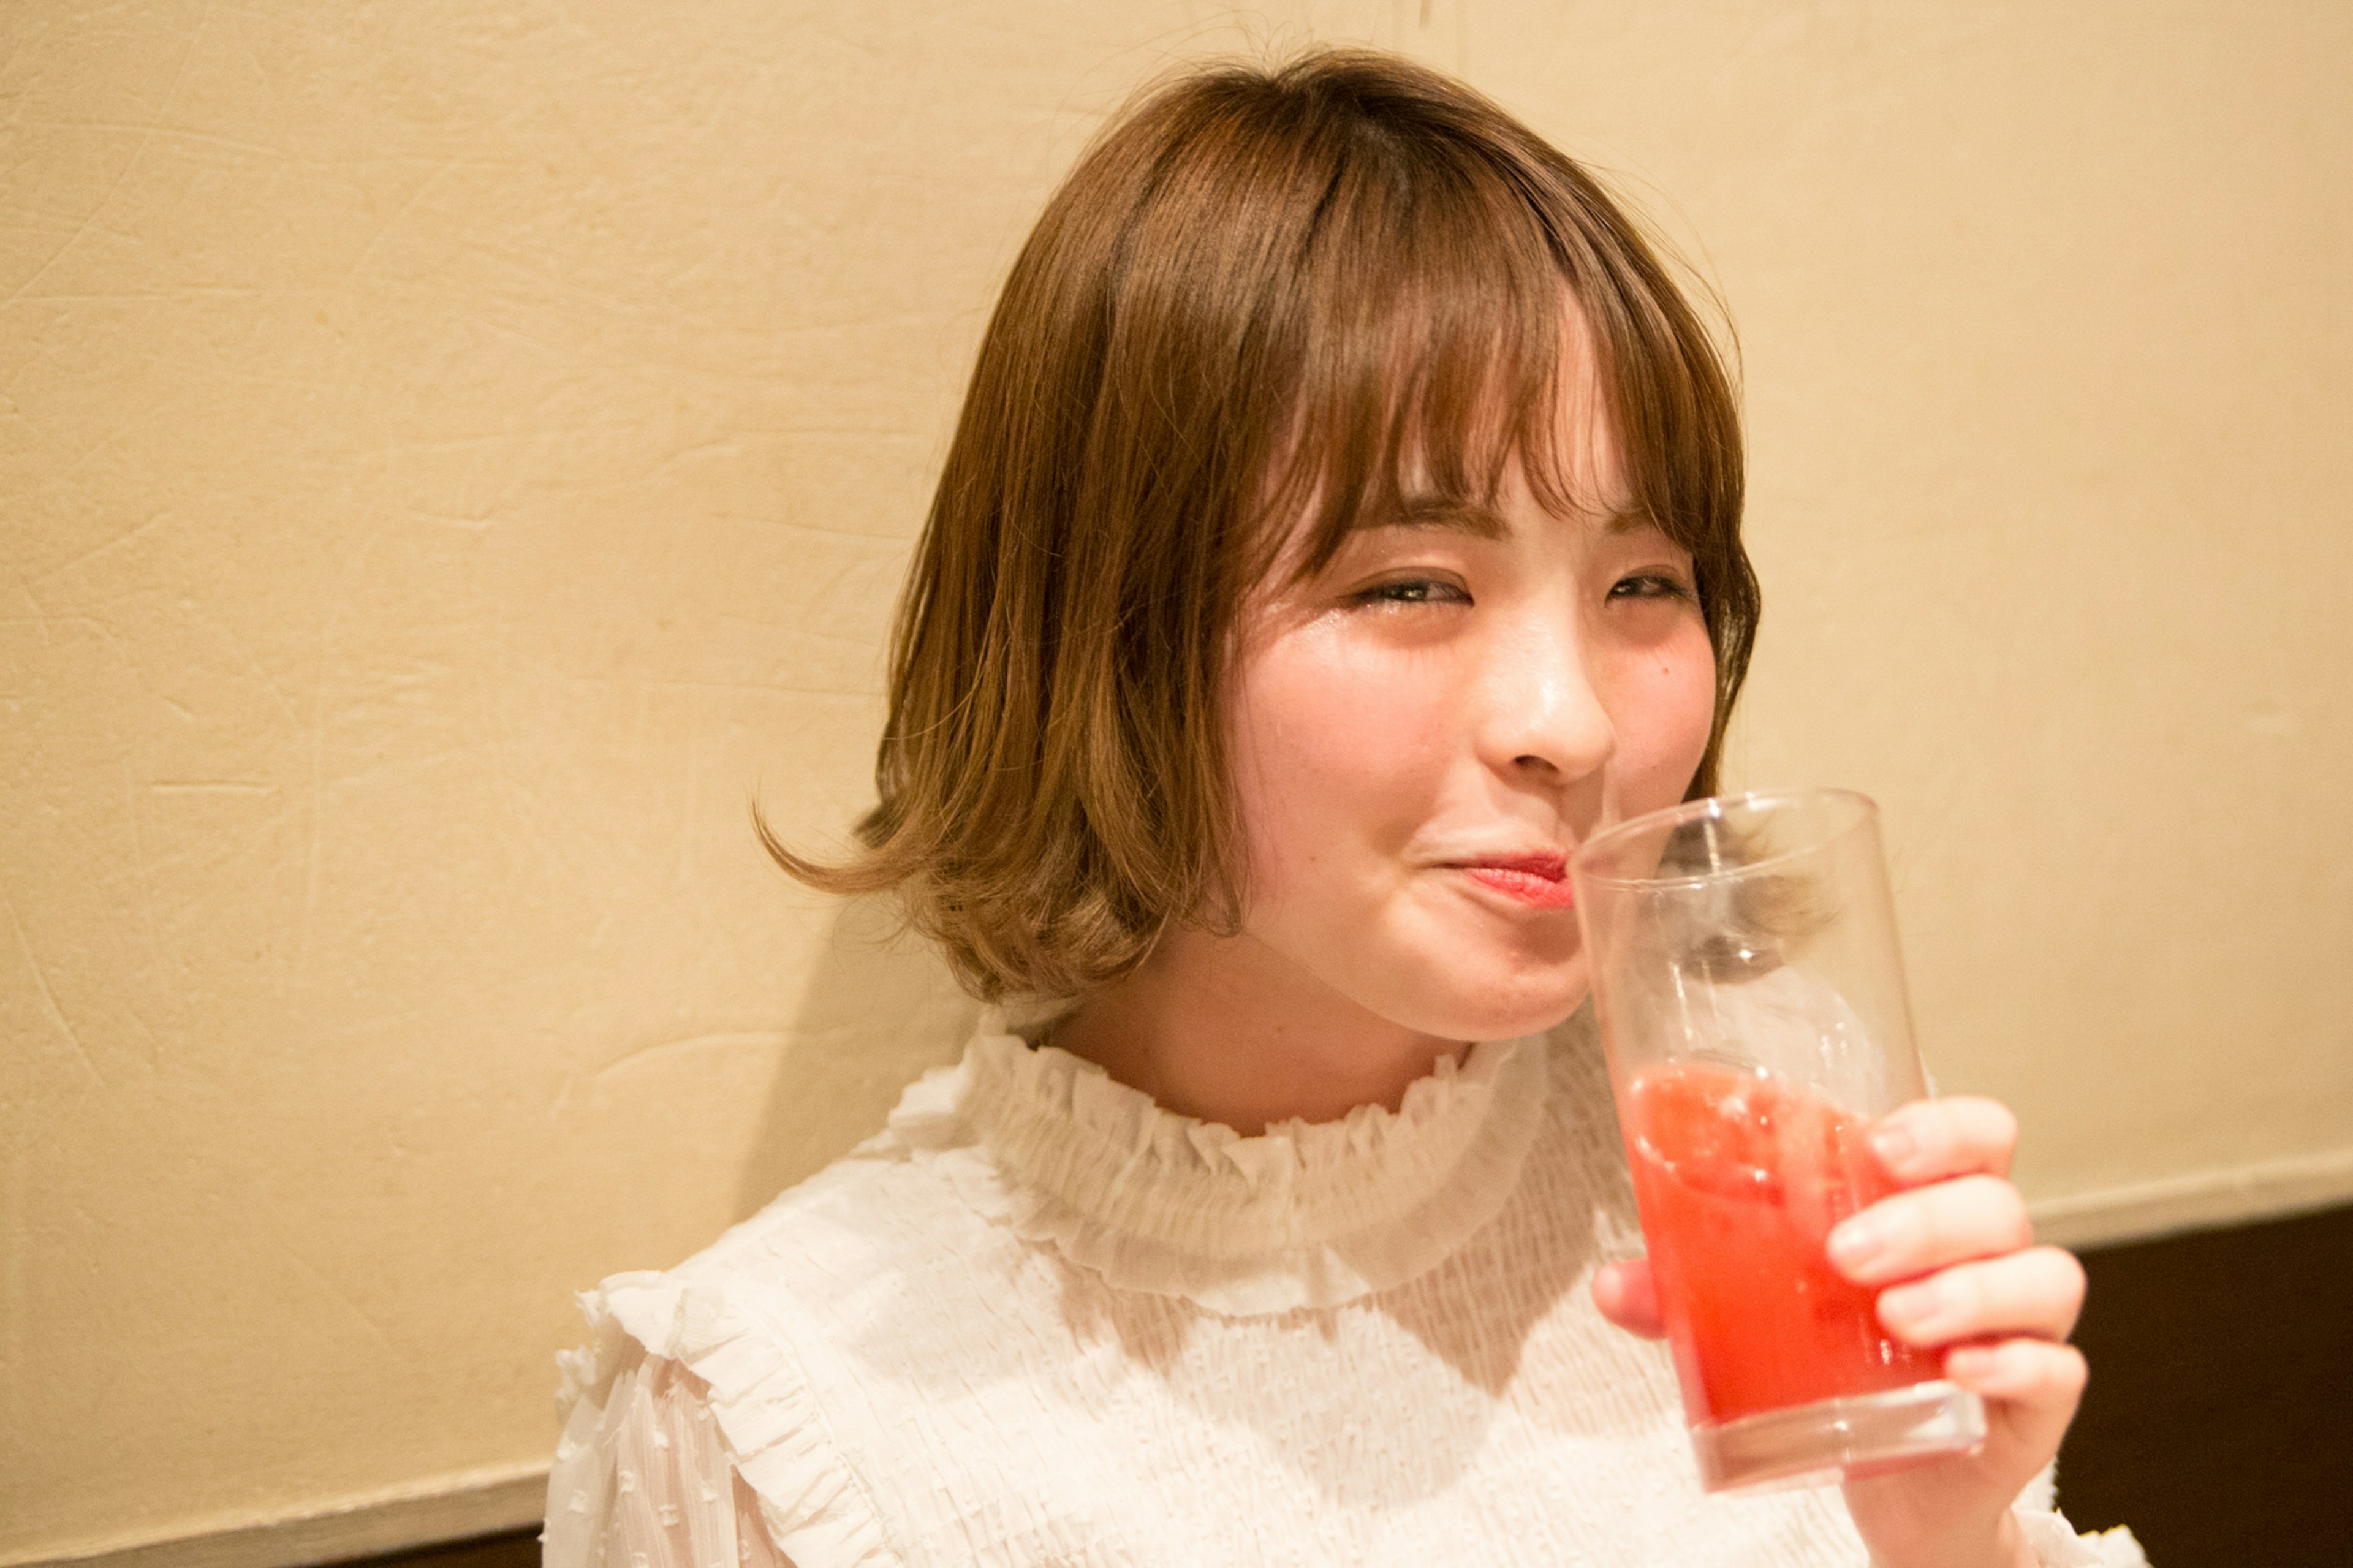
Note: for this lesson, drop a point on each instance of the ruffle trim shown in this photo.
(1303, 1216)
(815, 1509)
(2055, 1544)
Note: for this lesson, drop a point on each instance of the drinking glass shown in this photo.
(1751, 1000)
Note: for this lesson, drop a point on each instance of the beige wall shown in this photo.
(454, 454)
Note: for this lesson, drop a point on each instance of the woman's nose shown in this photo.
(1545, 712)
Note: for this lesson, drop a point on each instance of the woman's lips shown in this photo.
(1541, 884)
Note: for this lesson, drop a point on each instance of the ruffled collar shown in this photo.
(1306, 1214)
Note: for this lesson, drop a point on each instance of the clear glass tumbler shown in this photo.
(1751, 998)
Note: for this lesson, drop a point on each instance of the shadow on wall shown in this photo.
(880, 1010)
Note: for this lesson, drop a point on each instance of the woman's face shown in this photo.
(1426, 730)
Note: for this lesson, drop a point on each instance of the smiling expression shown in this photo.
(1426, 727)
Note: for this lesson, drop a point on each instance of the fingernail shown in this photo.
(1856, 1242)
(1913, 1308)
(1972, 1364)
(1895, 1145)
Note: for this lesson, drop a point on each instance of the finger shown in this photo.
(1930, 1227)
(2032, 1388)
(2038, 1291)
(1628, 1295)
(1932, 1138)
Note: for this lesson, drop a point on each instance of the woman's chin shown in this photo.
(1504, 1010)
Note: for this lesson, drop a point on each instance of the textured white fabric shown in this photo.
(1039, 1321)
(1304, 1216)
(642, 1478)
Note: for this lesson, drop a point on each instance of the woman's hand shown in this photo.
(1957, 1254)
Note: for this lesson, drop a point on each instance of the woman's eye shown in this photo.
(1414, 591)
(1649, 585)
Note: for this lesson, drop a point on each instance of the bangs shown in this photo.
(1444, 300)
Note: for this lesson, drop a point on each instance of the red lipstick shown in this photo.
(1539, 880)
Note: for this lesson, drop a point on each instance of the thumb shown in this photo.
(1628, 1298)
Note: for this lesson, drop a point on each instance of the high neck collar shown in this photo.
(1304, 1214)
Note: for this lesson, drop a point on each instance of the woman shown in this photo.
(1343, 524)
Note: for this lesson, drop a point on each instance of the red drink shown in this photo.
(1740, 1176)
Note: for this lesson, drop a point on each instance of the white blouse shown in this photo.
(1040, 1320)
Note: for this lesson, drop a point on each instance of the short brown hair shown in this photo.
(1257, 297)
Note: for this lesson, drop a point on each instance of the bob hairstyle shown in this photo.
(1267, 306)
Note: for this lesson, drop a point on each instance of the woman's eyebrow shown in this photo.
(1445, 516)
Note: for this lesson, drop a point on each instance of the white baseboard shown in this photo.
(2140, 1210)
(483, 1503)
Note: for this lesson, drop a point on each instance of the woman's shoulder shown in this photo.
(786, 1320)
(747, 1337)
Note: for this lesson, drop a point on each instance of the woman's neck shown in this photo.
(1224, 1029)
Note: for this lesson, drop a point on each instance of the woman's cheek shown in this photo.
(1295, 732)
(1666, 710)
(1337, 746)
